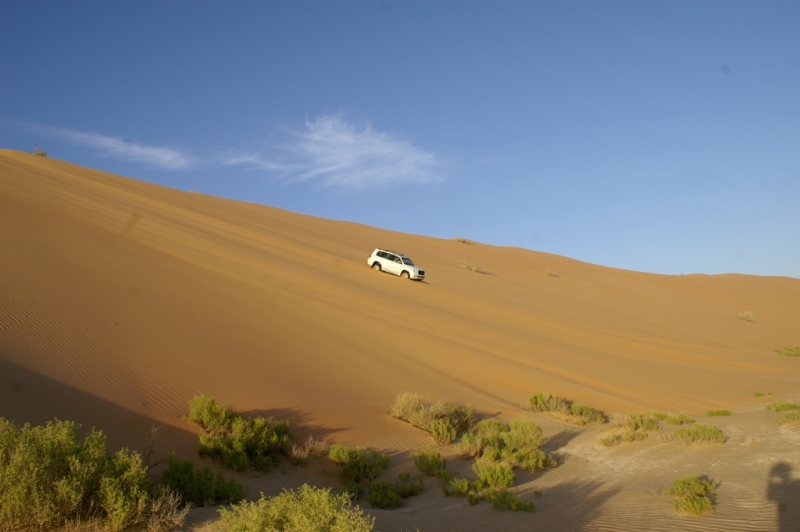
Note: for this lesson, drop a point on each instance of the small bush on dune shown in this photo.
(460, 487)
(701, 434)
(238, 441)
(470, 265)
(691, 495)
(789, 352)
(717, 413)
(746, 315)
(643, 422)
(789, 418)
(572, 412)
(306, 508)
(493, 475)
(517, 444)
(443, 420)
(552, 273)
(783, 406)
(429, 461)
(358, 465)
(200, 487)
(759, 394)
(673, 419)
(383, 495)
(49, 476)
(502, 499)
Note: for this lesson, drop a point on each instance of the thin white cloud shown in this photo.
(121, 149)
(333, 152)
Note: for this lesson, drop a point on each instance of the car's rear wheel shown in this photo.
(376, 266)
(404, 275)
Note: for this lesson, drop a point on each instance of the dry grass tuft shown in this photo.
(552, 273)
(716, 413)
(691, 495)
(746, 315)
(701, 434)
(443, 420)
(470, 265)
(563, 408)
(789, 352)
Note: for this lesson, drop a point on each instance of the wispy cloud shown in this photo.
(119, 148)
(334, 152)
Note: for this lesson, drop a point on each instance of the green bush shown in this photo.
(623, 437)
(357, 465)
(717, 413)
(494, 475)
(691, 495)
(789, 417)
(789, 352)
(517, 444)
(305, 509)
(238, 441)
(199, 487)
(572, 412)
(49, 476)
(502, 499)
(443, 420)
(701, 434)
(460, 487)
(429, 461)
(783, 406)
(677, 419)
(383, 495)
(643, 422)
(759, 394)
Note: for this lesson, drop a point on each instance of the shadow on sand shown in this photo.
(784, 492)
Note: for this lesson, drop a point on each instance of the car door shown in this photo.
(393, 264)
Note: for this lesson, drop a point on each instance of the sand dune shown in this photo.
(135, 297)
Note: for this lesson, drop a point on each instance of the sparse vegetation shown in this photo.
(383, 495)
(690, 495)
(789, 417)
(463, 241)
(552, 273)
(565, 409)
(783, 406)
(493, 474)
(502, 499)
(470, 265)
(200, 487)
(759, 394)
(636, 427)
(358, 465)
(238, 441)
(718, 413)
(673, 419)
(700, 434)
(49, 476)
(429, 461)
(306, 508)
(746, 315)
(311, 447)
(39, 151)
(623, 437)
(517, 444)
(443, 420)
(789, 352)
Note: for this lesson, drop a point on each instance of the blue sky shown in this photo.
(652, 136)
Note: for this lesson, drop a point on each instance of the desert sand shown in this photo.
(121, 299)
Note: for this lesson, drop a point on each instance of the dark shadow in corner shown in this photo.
(301, 424)
(29, 397)
(560, 440)
(784, 491)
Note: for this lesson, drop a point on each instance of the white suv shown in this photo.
(394, 262)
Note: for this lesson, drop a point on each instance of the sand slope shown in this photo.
(141, 296)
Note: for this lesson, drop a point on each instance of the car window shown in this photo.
(406, 260)
(396, 258)
(381, 254)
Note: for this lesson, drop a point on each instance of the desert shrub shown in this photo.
(306, 508)
(124, 490)
(429, 461)
(572, 412)
(383, 495)
(470, 265)
(460, 487)
(717, 413)
(789, 352)
(200, 487)
(49, 476)
(643, 422)
(502, 499)
(783, 406)
(462, 240)
(623, 437)
(47, 473)
(238, 441)
(759, 394)
(700, 434)
(690, 495)
(443, 420)
(357, 465)
(789, 417)
(746, 315)
(39, 151)
(473, 498)
(552, 273)
(494, 475)
(517, 444)
(673, 419)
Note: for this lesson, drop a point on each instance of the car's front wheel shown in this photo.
(376, 266)
(404, 275)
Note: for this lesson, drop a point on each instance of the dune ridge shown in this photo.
(143, 295)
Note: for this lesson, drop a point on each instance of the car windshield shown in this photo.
(406, 260)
